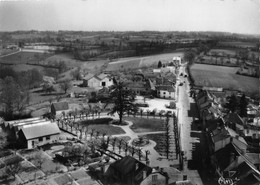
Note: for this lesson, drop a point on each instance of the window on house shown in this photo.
(154, 178)
(48, 137)
(40, 139)
(103, 83)
(164, 92)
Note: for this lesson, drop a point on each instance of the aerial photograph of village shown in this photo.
(129, 92)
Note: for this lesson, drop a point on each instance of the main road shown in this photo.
(185, 118)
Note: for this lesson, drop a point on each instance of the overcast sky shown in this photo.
(239, 16)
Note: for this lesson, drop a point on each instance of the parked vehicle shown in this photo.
(172, 105)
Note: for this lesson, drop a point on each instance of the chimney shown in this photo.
(144, 174)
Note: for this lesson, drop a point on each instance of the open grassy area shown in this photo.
(220, 76)
(108, 129)
(160, 140)
(146, 125)
(139, 62)
(102, 125)
(231, 52)
(24, 57)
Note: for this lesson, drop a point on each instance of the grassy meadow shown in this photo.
(226, 77)
(141, 62)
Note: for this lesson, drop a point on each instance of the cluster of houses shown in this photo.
(156, 82)
(231, 156)
(130, 171)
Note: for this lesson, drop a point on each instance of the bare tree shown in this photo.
(167, 136)
(141, 112)
(39, 159)
(148, 112)
(3, 139)
(65, 85)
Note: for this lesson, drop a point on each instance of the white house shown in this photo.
(177, 60)
(165, 91)
(105, 81)
(156, 177)
(97, 81)
(34, 135)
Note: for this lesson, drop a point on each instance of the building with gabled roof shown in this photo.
(97, 81)
(165, 91)
(130, 171)
(34, 135)
(59, 107)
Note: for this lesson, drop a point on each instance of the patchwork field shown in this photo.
(139, 62)
(231, 52)
(220, 76)
(24, 57)
(239, 44)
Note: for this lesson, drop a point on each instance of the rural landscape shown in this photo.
(137, 107)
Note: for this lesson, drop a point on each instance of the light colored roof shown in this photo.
(102, 76)
(232, 133)
(88, 76)
(19, 127)
(40, 130)
(10, 123)
(27, 122)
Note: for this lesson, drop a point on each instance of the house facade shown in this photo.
(36, 135)
(97, 81)
(166, 92)
(154, 178)
(59, 107)
(129, 171)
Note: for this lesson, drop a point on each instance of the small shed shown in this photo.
(59, 107)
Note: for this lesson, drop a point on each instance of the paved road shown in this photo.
(184, 118)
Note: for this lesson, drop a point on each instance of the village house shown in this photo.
(140, 87)
(130, 171)
(252, 127)
(232, 163)
(166, 92)
(59, 107)
(97, 81)
(30, 136)
(225, 135)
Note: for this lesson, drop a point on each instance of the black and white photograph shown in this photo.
(130, 92)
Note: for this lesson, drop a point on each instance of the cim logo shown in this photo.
(223, 181)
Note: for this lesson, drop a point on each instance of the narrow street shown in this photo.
(192, 140)
(185, 115)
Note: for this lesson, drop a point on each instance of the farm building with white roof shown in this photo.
(33, 132)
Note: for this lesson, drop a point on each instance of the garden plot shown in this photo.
(28, 172)
(146, 125)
